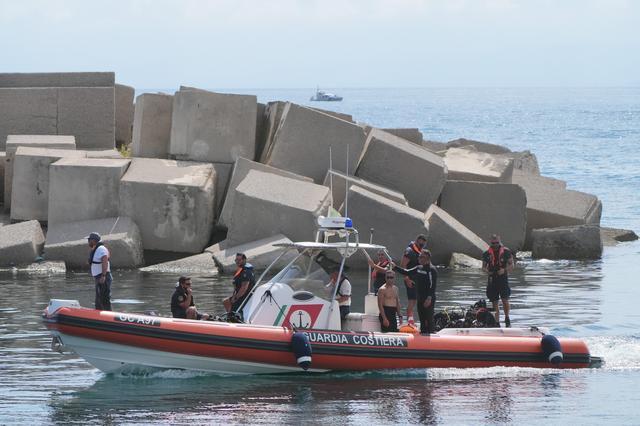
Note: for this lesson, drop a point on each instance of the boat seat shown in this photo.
(357, 321)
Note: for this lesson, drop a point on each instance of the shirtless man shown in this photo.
(389, 304)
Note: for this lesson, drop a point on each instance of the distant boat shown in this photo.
(321, 95)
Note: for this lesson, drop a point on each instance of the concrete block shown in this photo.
(88, 113)
(103, 153)
(171, 201)
(267, 204)
(124, 113)
(582, 242)
(3, 159)
(84, 188)
(340, 180)
(448, 236)
(273, 116)
(30, 187)
(525, 162)
(550, 206)
(398, 164)
(58, 79)
(485, 147)
(470, 165)
(259, 253)
(261, 129)
(28, 111)
(462, 261)
(434, 146)
(488, 208)
(68, 242)
(412, 135)
(394, 224)
(200, 264)
(20, 243)
(35, 141)
(613, 236)
(240, 170)
(152, 125)
(525, 179)
(340, 115)
(223, 176)
(302, 140)
(213, 127)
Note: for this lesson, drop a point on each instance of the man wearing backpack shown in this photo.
(100, 271)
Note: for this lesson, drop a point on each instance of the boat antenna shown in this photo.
(346, 187)
(330, 184)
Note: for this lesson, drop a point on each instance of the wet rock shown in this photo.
(20, 243)
(68, 242)
(398, 164)
(613, 236)
(38, 268)
(171, 201)
(448, 236)
(581, 242)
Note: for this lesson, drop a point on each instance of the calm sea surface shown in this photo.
(588, 137)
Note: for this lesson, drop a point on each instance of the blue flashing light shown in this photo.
(348, 223)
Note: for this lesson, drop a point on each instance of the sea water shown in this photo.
(588, 137)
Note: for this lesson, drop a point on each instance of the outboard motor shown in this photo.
(301, 348)
(552, 349)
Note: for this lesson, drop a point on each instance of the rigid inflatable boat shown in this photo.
(292, 322)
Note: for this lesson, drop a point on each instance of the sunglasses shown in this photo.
(391, 276)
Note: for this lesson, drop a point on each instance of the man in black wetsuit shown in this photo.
(243, 282)
(425, 277)
(182, 303)
(410, 260)
(497, 262)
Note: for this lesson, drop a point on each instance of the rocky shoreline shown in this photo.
(212, 174)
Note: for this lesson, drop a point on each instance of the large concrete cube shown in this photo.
(28, 112)
(259, 253)
(30, 188)
(488, 208)
(303, 138)
(413, 134)
(448, 236)
(338, 181)
(58, 79)
(526, 179)
(88, 113)
(471, 165)
(124, 113)
(223, 176)
(552, 206)
(171, 201)
(200, 264)
(35, 141)
(267, 204)
(20, 243)
(68, 242)
(3, 158)
(581, 242)
(240, 170)
(272, 117)
(84, 188)
(152, 125)
(213, 127)
(485, 147)
(398, 164)
(394, 224)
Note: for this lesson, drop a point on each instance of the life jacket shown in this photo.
(236, 275)
(493, 260)
(382, 264)
(93, 252)
(415, 248)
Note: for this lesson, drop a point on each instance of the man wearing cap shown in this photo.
(497, 262)
(101, 271)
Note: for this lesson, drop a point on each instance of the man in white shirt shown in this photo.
(343, 294)
(100, 271)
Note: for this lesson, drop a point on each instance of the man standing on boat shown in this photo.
(389, 304)
(378, 270)
(425, 277)
(243, 282)
(343, 293)
(497, 262)
(409, 261)
(100, 271)
(183, 304)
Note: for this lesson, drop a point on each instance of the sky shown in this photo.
(331, 43)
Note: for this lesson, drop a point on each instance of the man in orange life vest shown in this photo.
(497, 262)
(243, 282)
(410, 260)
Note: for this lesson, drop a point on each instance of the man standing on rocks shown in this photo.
(410, 260)
(243, 282)
(100, 271)
(497, 262)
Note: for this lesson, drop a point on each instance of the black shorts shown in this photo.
(411, 292)
(498, 288)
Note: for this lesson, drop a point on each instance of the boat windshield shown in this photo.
(309, 271)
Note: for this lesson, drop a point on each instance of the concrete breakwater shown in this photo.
(212, 174)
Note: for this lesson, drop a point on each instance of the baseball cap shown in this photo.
(94, 236)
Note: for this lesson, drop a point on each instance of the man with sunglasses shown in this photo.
(182, 302)
(497, 262)
(389, 304)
